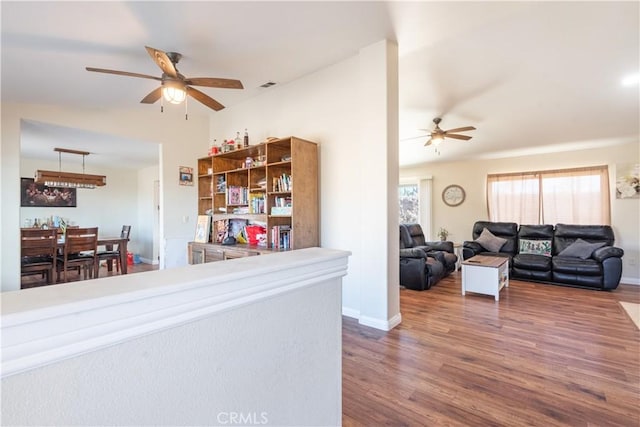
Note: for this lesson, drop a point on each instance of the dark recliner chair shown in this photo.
(423, 264)
(413, 237)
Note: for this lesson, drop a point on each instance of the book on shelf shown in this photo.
(237, 195)
(221, 184)
(257, 203)
(283, 183)
(281, 236)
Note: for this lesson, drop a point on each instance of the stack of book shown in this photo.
(257, 203)
(281, 237)
(237, 195)
(281, 206)
(283, 183)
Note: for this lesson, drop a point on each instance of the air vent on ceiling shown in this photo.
(268, 84)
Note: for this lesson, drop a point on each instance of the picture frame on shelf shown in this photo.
(203, 228)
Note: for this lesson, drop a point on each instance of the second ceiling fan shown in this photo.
(438, 135)
(174, 86)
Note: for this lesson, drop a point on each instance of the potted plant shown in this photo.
(443, 234)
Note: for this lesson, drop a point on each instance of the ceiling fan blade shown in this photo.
(205, 99)
(454, 136)
(153, 96)
(428, 142)
(163, 61)
(414, 137)
(466, 128)
(122, 73)
(215, 82)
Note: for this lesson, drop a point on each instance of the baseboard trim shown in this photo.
(149, 261)
(350, 312)
(383, 325)
(630, 281)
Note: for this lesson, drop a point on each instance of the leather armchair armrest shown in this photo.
(413, 253)
(605, 252)
(441, 246)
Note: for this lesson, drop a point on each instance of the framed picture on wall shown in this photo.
(44, 196)
(628, 181)
(186, 175)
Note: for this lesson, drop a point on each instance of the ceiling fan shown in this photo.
(173, 85)
(438, 135)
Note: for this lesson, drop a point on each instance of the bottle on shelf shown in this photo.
(246, 138)
(238, 141)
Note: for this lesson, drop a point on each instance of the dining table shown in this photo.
(108, 243)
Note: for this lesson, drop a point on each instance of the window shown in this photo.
(569, 196)
(409, 204)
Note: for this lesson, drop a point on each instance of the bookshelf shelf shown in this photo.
(270, 184)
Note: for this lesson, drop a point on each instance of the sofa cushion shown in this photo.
(535, 247)
(581, 249)
(566, 234)
(532, 262)
(490, 242)
(506, 230)
(576, 266)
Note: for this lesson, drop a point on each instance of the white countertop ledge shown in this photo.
(50, 323)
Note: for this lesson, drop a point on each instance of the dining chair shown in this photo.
(114, 254)
(80, 250)
(38, 252)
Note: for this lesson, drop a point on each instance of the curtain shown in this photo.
(576, 196)
(514, 198)
(570, 196)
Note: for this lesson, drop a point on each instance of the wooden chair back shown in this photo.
(35, 242)
(38, 251)
(80, 249)
(126, 230)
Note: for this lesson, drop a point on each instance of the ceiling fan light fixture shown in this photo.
(174, 94)
(437, 139)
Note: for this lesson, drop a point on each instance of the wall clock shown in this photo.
(453, 195)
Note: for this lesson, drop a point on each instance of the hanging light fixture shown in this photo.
(69, 179)
(174, 91)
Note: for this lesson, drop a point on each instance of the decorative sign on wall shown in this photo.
(186, 175)
(40, 195)
(628, 181)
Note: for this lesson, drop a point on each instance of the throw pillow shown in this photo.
(581, 249)
(536, 247)
(490, 242)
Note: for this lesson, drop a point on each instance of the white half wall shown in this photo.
(257, 339)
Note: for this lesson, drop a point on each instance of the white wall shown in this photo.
(328, 107)
(181, 143)
(147, 214)
(625, 214)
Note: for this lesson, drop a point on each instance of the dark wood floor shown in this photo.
(543, 356)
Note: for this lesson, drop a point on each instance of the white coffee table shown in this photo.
(485, 275)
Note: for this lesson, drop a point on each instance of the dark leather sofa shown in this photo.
(602, 269)
(422, 263)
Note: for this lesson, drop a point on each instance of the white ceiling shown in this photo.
(530, 76)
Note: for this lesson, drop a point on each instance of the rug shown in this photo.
(633, 310)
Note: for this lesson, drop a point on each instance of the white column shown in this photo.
(380, 298)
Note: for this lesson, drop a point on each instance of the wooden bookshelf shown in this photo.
(282, 171)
